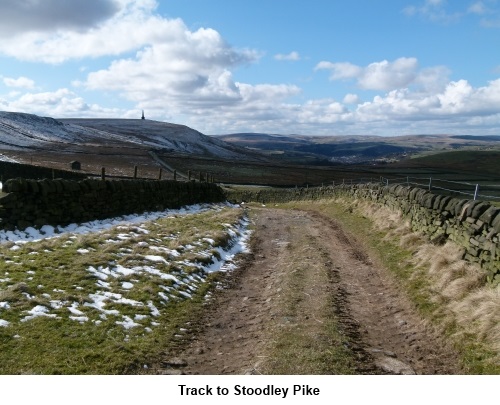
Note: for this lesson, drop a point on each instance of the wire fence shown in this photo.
(475, 190)
(449, 187)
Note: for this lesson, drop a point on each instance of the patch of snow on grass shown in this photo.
(171, 252)
(163, 295)
(56, 304)
(103, 284)
(99, 304)
(154, 310)
(100, 272)
(127, 322)
(37, 311)
(156, 259)
(185, 294)
(80, 319)
(73, 309)
(47, 231)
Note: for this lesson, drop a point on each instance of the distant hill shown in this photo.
(356, 149)
(19, 131)
(264, 141)
(491, 138)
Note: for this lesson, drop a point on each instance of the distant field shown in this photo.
(481, 166)
(273, 174)
(447, 170)
(478, 163)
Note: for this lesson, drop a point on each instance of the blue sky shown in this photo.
(317, 67)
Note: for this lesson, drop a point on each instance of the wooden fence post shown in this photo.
(175, 175)
(103, 173)
(189, 175)
(159, 174)
(135, 172)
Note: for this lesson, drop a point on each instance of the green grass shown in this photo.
(53, 274)
(296, 352)
(484, 163)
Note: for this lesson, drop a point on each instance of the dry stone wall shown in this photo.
(473, 225)
(61, 202)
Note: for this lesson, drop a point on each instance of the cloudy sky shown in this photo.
(318, 67)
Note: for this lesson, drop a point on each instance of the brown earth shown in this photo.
(305, 270)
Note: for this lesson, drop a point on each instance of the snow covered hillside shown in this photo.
(27, 131)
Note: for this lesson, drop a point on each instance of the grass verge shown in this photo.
(109, 302)
(447, 292)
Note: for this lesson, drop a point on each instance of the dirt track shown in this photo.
(337, 279)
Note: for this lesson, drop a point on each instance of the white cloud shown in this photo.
(382, 75)
(389, 75)
(20, 82)
(189, 70)
(60, 103)
(134, 27)
(459, 101)
(456, 108)
(351, 99)
(433, 79)
(292, 56)
(341, 70)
